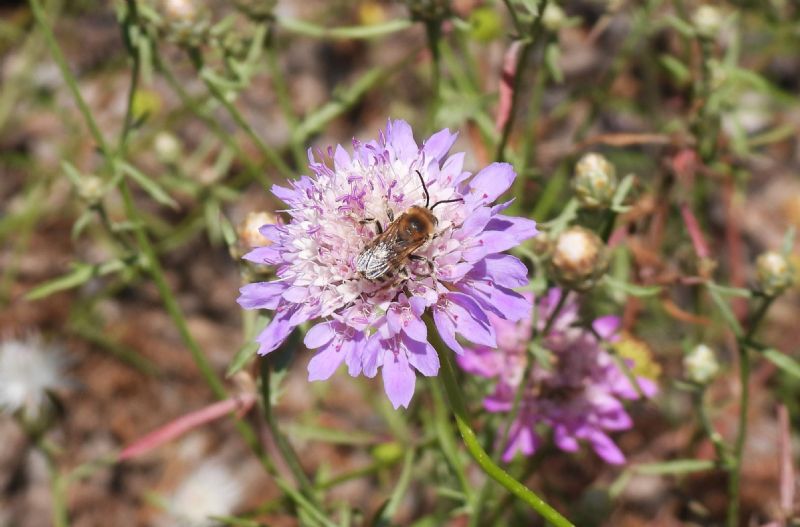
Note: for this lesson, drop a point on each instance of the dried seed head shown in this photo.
(595, 181)
(701, 364)
(774, 272)
(579, 259)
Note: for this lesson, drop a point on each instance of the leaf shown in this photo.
(78, 276)
(81, 223)
(682, 27)
(724, 309)
(731, 291)
(354, 32)
(788, 242)
(782, 361)
(148, 185)
(72, 173)
(552, 56)
(242, 358)
(639, 291)
(622, 193)
(675, 466)
(331, 435)
(675, 67)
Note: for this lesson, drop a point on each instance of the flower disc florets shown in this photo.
(459, 275)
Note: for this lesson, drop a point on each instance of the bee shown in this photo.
(392, 248)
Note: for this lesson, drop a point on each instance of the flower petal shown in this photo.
(319, 335)
(261, 295)
(422, 356)
(325, 363)
(401, 138)
(492, 181)
(439, 144)
(399, 379)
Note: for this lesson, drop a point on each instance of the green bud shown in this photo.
(701, 365)
(553, 17)
(595, 181)
(579, 259)
(707, 21)
(186, 21)
(388, 453)
(774, 273)
(168, 148)
(485, 24)
(91, 190)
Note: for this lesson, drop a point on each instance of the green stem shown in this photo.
(285, 448)
(735, 469)
(433, 31)
(444, 434)
(532, 42)
(451, 386)
(267, 151)
(716, 439)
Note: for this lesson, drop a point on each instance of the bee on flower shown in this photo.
(378, 237)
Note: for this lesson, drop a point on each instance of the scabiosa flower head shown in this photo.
(458, 275)
(29, 369)
(578, 397)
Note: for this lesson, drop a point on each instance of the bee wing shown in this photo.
(375, 260)
(385, 253)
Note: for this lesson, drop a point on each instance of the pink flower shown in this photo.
(579, 398)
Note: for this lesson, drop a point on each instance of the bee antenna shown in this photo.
(424, 189)
(446, 201)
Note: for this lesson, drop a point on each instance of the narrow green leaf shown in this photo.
(355, 32)
(552, 56)
(621, 194)
(242, 358)
(731, 291)
(675, 67)
(78, 276)
(639, 291)
(331, 435)
(676, 466)
(788, 241)
(782, 361)
(684, 28)
(72, 173)
(81, 223)
(148, 185)
(725, 310)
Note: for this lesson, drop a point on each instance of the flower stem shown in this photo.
(433, 31)
(735, 467)
(285, 448)
(532, 41)
(448, 376)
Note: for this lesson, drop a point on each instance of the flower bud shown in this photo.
(774, 273)
(248, 230)
(701, 364)
(186, 21)
(595, 181)
(91, 190)
(707, 21)
(168, 148)
(553, 17)
(579, 259)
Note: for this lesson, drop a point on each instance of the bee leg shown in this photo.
(390, 214)
(371, 220)
(418, 258)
